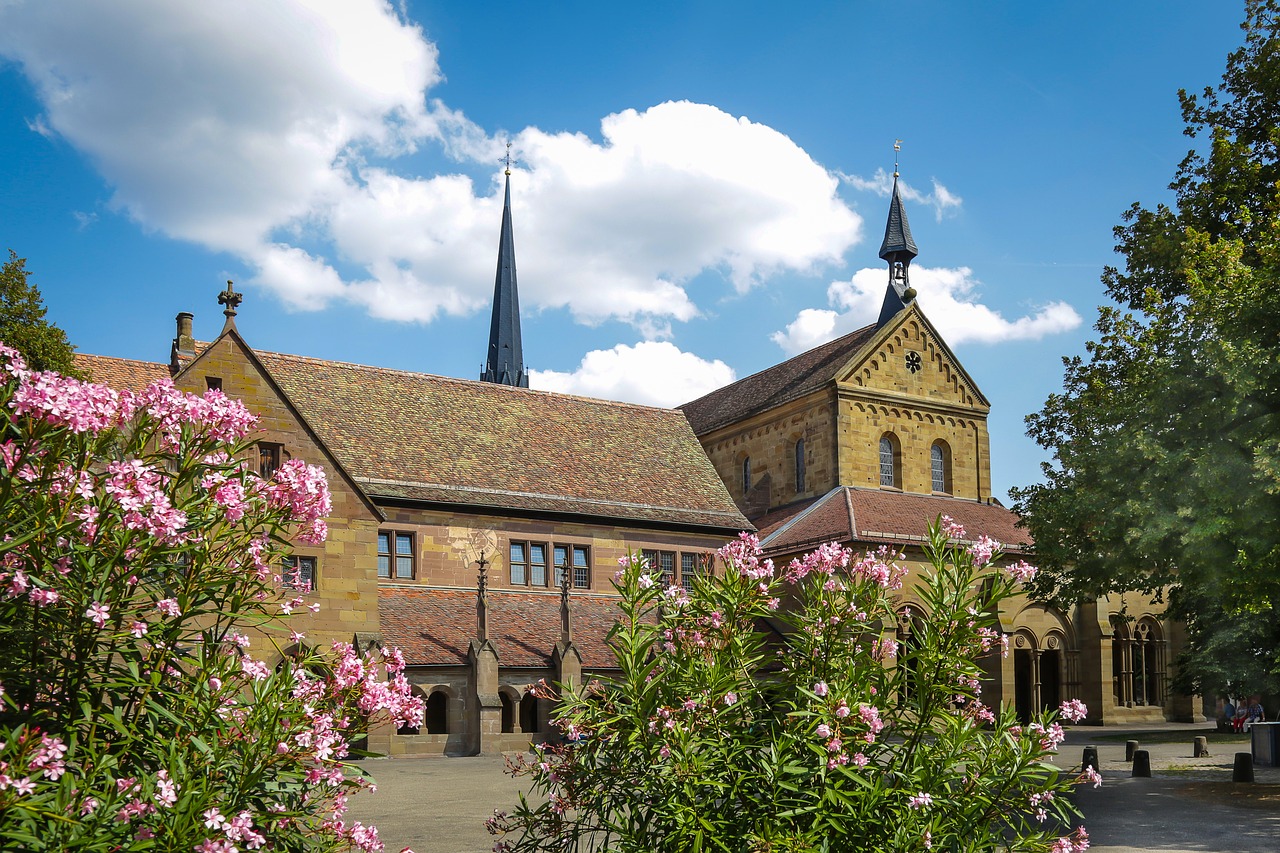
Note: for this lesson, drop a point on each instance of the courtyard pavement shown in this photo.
(1190, 805)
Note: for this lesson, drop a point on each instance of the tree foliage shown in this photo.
(22, 321)
(1166, 437)
(722, 734)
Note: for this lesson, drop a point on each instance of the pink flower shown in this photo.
(820, 688)
(859, 759)
(168, 607)
(1022, 572)
(920, 801)
(1074, 710)
(730, 698)
(98, 614)
(213, 819)
(823, 730)
(951, 528)
(138, 629)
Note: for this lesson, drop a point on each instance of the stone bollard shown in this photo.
(1130, 747)
(1200, 747)
(1142, 763)
(1090, 758)
(1243, 770)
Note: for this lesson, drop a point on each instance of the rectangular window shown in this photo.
(691, 566)
(395, 555)
(537, 565)
(299, 573)
(269, 458)
(519, 564)
(581, 567)
(560, 554)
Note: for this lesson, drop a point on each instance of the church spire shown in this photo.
(504, 363)
(898, 249)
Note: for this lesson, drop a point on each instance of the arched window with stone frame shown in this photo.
(437, 713)
(940, 467)
(890, 461)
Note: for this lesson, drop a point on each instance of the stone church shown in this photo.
(866, 439)
(477, 524)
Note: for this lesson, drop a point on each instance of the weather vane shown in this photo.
(897, 146)
(507, 160)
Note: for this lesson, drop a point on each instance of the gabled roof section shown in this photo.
(418, 437)
(793, 378)
(878, 516)
(122, 374)
(434, 627)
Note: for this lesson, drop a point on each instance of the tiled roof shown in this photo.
(776, 385)
(874, 516)
(417, 436)
(121, 373)
(436, 626)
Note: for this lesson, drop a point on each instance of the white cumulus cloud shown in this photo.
(656, 373)
(281, 131)
(949, 297)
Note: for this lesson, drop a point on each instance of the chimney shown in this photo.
(184, 346)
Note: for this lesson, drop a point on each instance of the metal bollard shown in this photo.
(1142, 763)
(1130, 747)
(1200, 747)
(1243, 769)
(1090, 758)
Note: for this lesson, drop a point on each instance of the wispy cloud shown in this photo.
(950, 298)
(942, 200)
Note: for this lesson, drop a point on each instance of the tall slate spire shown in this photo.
(504, 363)
(898, 249)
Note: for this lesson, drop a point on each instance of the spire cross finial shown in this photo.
(897, 146)
(508, 161)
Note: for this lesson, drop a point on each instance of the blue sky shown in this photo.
(700, 189)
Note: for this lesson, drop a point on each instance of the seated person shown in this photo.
(1237, 721)
(1228, 714)
(1254, 713)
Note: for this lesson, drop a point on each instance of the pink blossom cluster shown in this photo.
(219, 416)
(79, 406)
(744, 554)
(392, 696)
(304, 491)
(1022, 572)
(826, 559)
(920, 801)
(1050, 736)
(983, 550)
(952, 529)
(240, 828)
(139, 490)
(1076, 842)
(1073, 710)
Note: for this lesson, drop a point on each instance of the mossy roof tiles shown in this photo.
(123, 374)
(790, 380)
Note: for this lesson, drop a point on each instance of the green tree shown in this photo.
(1166, 437)
(22, 321)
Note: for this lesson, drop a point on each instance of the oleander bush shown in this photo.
(776, 711)
(138, 557)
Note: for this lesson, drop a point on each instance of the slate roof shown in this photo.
(121, 373)
(897, 230)
(793, 378)
(875, 516)
(432, 438)
(436, 626)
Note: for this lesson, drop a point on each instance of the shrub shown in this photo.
(138, 557)
(776, 711)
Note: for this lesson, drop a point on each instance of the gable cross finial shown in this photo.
(231, 300)
(897, 146)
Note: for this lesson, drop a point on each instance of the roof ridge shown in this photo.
(119, 358)
(779, 365)
(472, 383)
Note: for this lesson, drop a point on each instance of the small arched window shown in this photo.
(800, 466)
(746, 474)
(940, 466)
(890, 461)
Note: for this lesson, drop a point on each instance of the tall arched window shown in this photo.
(940, 466)
(746, 474)
(437, 713)
(800, 466)
(890, 461)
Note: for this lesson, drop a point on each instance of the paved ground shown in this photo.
(1190, 805)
